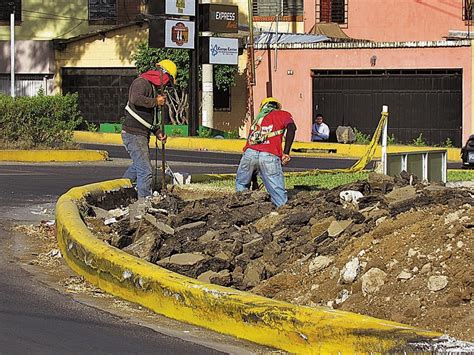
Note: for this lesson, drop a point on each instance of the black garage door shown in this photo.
(427, 102)
(103, 93)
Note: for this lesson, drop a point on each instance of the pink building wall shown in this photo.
(397, 20)
(295, 91)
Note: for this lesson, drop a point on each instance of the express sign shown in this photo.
(219, 18)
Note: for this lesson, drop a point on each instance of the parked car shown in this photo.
(467, 152)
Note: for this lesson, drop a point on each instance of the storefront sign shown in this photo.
(172, 7)
(179, 34)
(171, 34)
(219, 18)
(220, 50)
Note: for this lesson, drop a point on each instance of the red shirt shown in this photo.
(274, 121)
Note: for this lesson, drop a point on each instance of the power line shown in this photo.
(52, 18)
(72, 29)
(56, 16)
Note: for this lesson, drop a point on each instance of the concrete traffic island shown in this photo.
(52, 155)
(244, 315)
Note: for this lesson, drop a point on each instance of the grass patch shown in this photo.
(326, 181)
(461, 175)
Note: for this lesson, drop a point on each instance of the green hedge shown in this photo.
(38, 122)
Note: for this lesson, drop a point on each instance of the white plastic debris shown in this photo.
(54, 253)
(118, 212)
(110, 221)
(350, 197)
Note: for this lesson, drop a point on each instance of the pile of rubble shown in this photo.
(389, 248)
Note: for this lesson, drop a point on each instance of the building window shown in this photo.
(332, 11)
(273, 8)
(221, 100)
(467, 7)
(102, 12)
(6, 8)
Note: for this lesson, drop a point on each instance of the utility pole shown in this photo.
(251, 80)
(12, 49)
(193, 120)
(207, 95)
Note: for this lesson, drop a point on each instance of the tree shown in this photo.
(145, 59)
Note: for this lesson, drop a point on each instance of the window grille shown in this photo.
(467, 9)
(102, 12)
(332, 11)
(277, 8)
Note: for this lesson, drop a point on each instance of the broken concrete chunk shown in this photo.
(319, 263)
(254, 273)
(206, 276)
(380, 182)
(209, 236)
(223, 256)
(254, 248)
(101, 213)
(187, 259)
(401, 194)
(193, 225)
(143, 247)
(270, 251)
(404, 275)
(337, 227)
(158, 224)
(320, 227)
(222, 278)
(437, 283)
(372, 280)
(279, 233)
(268, 222)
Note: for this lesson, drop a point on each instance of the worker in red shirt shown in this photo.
(263, 152)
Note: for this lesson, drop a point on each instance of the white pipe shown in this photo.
(384, 141)
(207, 96)
(12, 54)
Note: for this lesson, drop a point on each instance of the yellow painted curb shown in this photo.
(53, 155)
(244, 315)
(236, 145)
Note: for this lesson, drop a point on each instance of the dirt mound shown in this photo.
(400, 252)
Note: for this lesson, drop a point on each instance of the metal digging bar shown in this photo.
(163, 155)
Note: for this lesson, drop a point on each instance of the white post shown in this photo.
(12, 53)
(384, 141)
(45, 84)
(207, 96)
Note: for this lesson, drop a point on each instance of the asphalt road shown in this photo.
(35, 318)
(297, 163)
(225, 158)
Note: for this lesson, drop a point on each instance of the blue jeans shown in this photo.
(141, 170)
(271, 172)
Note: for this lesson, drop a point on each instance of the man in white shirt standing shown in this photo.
(320, 130)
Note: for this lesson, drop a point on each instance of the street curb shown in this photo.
(261, 320)
(53, 155)
(236, 145)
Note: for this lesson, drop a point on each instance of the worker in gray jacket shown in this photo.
(144, 98)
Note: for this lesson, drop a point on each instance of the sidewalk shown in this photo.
(235, 145)
(53, 155)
